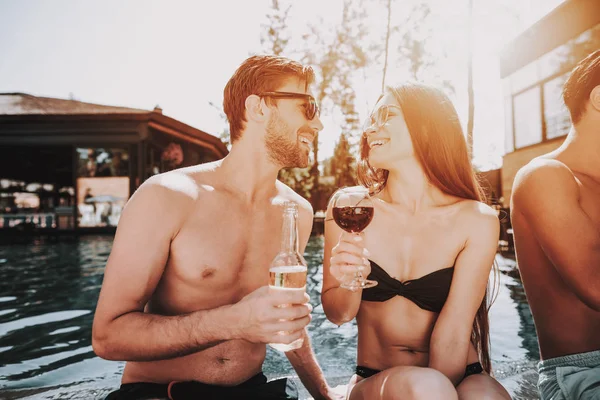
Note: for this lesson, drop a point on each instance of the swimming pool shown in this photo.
(48, 292)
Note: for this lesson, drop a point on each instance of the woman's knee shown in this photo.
(417, 383)
(481, 387)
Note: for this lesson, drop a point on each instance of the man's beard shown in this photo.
(280, 149)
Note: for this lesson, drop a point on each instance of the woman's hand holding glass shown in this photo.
(349, 261)
(352, 211)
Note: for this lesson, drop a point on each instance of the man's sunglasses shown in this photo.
(378, 118)
(311, 108)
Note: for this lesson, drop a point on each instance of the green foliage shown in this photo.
(275, 37)
(343, 164)
(224, 135)
(337, 56)
(415, 47)
(297, 179)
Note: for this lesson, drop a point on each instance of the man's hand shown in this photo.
(272, 316)
(336, 393)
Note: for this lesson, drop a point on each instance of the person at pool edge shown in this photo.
(423, 330)
(555, 215)
(185, 299)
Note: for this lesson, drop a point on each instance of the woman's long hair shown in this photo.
(441, 150)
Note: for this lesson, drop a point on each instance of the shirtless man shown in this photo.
(185, 296)
(556, 220)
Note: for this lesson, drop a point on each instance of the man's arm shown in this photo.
(306, 366)
(121, 329)
(303, 359)
(546, 196)
(450, 340)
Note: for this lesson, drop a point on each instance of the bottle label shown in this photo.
(288, 277)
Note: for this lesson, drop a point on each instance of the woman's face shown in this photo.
(388, 138)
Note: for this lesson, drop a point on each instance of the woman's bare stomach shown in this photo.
(385, 357)
(226, 364)
(385, 342)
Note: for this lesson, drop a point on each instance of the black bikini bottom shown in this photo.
(366, 372)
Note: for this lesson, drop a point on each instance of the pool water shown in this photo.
(48, 293)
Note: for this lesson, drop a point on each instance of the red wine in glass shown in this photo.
(353, 219)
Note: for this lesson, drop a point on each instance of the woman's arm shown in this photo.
(451, 335)
(342, 255)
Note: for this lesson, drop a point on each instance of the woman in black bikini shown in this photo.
(423, 330)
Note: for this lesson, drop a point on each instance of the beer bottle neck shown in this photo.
(289, 234)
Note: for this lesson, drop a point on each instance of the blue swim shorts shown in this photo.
(572, 377)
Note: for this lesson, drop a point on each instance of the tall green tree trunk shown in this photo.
(387, 43)
(470, 81)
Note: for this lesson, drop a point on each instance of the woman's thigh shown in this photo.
(481, 387)
(404, 383)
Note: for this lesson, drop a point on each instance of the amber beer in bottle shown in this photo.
(288, 269)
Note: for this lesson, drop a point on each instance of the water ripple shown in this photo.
(40, 320)
(7, 298)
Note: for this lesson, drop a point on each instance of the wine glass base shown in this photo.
(355, 285)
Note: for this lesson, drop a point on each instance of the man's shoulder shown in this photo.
(543, 172)
(288, 193)
(183, 184)
(543, 181)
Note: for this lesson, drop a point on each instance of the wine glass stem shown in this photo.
(358, 276)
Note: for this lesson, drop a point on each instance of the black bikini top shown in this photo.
(428, 292)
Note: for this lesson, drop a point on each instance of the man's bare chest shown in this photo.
(226, 252)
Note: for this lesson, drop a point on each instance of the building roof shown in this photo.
(26, 104)
(25, 107)
(566, 21)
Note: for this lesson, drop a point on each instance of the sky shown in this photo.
(179, 54)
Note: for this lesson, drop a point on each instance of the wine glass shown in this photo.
(353, 211)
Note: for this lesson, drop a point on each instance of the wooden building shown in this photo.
(71, 166)
(534, 67)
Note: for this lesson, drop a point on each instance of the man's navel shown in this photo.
(208, 272)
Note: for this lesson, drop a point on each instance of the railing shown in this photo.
(40, 220)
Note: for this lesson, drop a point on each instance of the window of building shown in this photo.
(527, 116)
(556, 115)
(36, 187)
(524, 77)
(102, 185)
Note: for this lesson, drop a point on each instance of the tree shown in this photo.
(275, 37)
(337, 58)
(342, 164)
(224, 135)
(387, 42)
(415, 46)
(470, 81)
